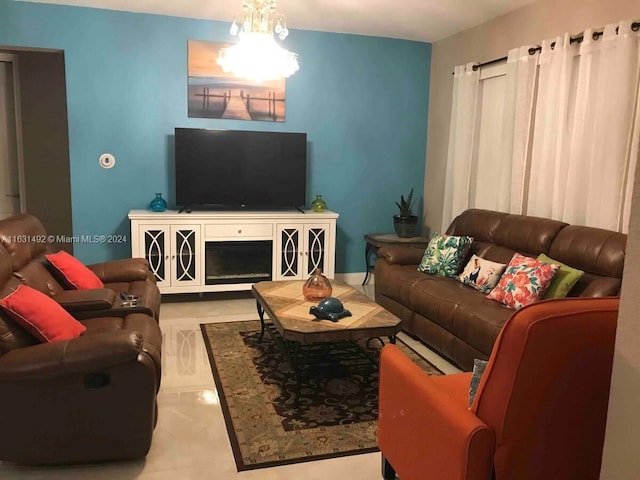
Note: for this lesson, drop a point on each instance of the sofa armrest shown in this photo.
(401, 255)
(421, 432)
(123, 270)
(83, 300)
(85, 354)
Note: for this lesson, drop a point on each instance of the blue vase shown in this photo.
(158, 204)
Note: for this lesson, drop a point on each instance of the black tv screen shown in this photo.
(240, 169)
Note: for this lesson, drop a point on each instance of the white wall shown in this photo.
(621, 459)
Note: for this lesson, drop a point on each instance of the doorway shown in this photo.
(40, 117)
(11, 171)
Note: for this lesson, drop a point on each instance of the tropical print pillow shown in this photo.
(525, 280)
(481, 274)
(444, 255)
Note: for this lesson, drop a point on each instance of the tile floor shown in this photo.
(190, 440)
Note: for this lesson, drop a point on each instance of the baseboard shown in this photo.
(354, 278)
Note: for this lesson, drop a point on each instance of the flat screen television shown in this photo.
(218, 169)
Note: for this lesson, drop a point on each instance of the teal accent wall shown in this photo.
(361, 100)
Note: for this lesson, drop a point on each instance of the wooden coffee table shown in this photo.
(296, 327)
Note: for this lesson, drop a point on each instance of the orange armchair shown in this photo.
(539, 412)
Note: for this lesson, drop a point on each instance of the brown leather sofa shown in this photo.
(459, 322)
(92, 398)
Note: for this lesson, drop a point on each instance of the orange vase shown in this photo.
(316, 287)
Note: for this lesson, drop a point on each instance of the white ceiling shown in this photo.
(422, 20)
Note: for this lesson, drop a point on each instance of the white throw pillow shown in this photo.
(481, 274)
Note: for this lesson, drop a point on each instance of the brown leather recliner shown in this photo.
(92, 398)
(25, 238)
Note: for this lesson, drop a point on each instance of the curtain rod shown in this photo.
(635, 26)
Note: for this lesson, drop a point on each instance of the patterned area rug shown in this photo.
(336, 413)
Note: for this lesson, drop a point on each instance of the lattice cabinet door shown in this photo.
(155, 242)
(289, 254)
(185, 255)
(316, 238)
(301, 248)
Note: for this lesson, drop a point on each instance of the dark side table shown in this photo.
(373, 241)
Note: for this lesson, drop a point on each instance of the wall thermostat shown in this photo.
(107, 160)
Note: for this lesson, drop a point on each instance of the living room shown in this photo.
(376, 111)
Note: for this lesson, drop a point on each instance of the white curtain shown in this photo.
(613, 64)
(553, 119)
(487, 166)
(490, 135)
(461, 141)
(582, 161)
(517, 119)
(569, 132)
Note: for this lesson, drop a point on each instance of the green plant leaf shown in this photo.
(405, 205)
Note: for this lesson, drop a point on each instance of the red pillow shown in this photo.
(40, 315)
(76, 274)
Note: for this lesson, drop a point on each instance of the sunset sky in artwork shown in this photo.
(202, 59)
(212, 93)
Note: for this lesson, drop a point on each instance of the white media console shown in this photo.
(231, 250)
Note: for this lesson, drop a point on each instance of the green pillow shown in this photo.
(444, 255)
(564, 280)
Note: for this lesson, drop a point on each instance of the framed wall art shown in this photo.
(212, 93)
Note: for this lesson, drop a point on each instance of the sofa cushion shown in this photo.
(525, 281)
(528, 235)
(35, 275)
(444, 254)
(593, 250)
(482, 225)
(519, 233)
(591, 285)
(24, 237)
(481, 274)
(460, 310)
(563, 282)
(41, 316)
(73, 272)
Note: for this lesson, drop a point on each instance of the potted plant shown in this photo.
(405, 223)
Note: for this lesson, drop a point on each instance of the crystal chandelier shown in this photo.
(257, 56)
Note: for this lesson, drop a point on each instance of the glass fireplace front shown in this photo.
(238, 262)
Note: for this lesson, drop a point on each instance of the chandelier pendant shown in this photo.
(257, 56)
